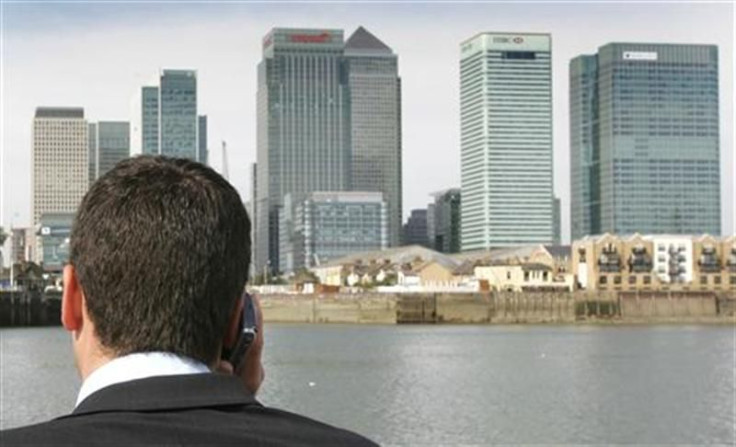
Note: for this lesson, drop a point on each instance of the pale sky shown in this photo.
(96, 54)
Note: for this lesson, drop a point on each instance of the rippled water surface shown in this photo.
(455, 384)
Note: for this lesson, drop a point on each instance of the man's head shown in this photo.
(160, 250)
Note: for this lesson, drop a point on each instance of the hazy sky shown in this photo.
(95, 55)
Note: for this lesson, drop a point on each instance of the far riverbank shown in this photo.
(18, 309)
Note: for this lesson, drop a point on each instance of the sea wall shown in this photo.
(498, 308)
(29, 308)
(329, 308)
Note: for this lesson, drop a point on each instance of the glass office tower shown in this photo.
(113, 145)
(303, 132)
(329, 225)
(178, 122)
(375, 120)
(506, 140)
(164, 117)
(645, 140)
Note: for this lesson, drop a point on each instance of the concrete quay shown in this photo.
(499, 308)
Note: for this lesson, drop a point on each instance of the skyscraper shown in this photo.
(445, 234)
(60, 172)
(415, 229)
(375, 121)
(109, 144)
(92, 150)
(645, 140)
(506, 140)
(164, 117)
(303, 133)
(202, 136)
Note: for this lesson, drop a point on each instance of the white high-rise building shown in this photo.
(60, 162)
(506, 140)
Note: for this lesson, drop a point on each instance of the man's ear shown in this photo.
(233, 325)
(72, 300)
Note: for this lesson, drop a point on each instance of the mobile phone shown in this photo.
(248, 332)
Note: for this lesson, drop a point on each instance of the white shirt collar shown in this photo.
(138, 366)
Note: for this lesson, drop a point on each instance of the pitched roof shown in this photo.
(558, 251)
(362, 39)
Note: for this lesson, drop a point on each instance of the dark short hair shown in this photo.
(161, 247)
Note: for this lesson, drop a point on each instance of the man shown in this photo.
(160, 250)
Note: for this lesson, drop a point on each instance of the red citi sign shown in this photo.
(310, 38)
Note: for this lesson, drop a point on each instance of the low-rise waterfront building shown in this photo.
(655, 262)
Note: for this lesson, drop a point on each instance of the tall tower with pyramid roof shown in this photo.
(375, 116)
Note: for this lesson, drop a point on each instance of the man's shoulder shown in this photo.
(255, 425)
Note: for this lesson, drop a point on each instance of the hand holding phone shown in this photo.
(247, 334)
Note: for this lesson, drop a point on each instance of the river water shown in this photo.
(455, 384)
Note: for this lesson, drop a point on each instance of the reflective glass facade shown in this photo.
(303, 133)
(164, 117)
(149, 126)
(54, 231)
(327, 226)
(506, 140)
(113, 145)
(375, 120)
(202, 136)
(178, 116)
(645, 140)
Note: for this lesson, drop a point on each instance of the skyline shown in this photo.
(227, 77)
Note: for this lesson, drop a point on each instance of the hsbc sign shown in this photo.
(501, 39)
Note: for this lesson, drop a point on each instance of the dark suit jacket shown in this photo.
(197, 409)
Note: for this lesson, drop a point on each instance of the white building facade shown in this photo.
(60, 163)
(506, 140)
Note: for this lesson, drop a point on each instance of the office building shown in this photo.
(375, 121)
(54, 231)
(329, 225)
(109, 144)
(60, 162)
(443, 222)
(415, 229)
(556, 221)
(506, 140)
(202, 139)
(645, 140)
(92, 151)
(164, 116)
(303, 132)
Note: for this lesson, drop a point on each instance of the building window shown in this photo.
(508, 275)
(733, 280)
(647, 279)
(544, 276)
(703, 279)
(526, 276)
(632, 279)
(717, 279)
(603, 280)
(617, 279)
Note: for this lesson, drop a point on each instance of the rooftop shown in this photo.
(59, 112)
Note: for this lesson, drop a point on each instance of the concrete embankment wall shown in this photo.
(497, 308)
(29, 308)
(329, 308)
